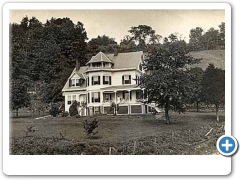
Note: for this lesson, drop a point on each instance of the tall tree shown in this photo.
(196, 75)
(19, 98)
(143, 35)
(167, 82)
(127, 44)
(103, 43)
(210, 39)
(213, 87)
(222, 34)
(195, 38)
(46, 54)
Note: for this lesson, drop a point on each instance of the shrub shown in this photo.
(65, 114)
(77, 116)
(54, 109)
(73, 110)
(89, 127)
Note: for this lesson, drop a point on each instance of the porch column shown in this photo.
(130, 99)
(115, 96)
(101, 97)
(143, 93)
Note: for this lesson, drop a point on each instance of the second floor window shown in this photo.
(107, 80)
(138, 80)
(95, 80)
(126, 79)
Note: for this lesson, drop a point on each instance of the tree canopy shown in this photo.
(46, 53)
(167, 82)
(213, 87)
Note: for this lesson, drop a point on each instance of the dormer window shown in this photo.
(75, 82)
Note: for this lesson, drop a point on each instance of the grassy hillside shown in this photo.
(216, 57)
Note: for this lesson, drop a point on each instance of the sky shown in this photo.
(116, 23)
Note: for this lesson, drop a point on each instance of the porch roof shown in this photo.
(120, 88)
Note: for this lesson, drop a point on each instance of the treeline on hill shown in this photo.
(42, 55)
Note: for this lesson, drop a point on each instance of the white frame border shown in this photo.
(106, 165)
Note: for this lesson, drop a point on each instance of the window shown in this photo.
(107, 80)
(69, 100)
(98, 64)
(74, 98)
(74, 82)
(96, 109)
(95, 80)
(137, 79)
(95, 97)
(126, 79)
(106, 64)
(77, 82)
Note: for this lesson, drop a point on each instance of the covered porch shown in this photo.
(121, 95)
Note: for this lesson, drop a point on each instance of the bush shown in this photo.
(54, 109)
(65, 114)
(73, 110)
(77, 116)
(89, 127)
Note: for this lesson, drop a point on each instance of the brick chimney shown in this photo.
(115, 51)
(77, 65)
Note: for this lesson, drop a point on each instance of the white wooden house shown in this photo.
(107, 78)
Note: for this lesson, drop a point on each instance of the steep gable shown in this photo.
(100, 57)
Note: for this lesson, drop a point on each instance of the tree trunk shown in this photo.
(167, 105)
(17, 113)
(197, 106)
(167, 115)
(217, 107)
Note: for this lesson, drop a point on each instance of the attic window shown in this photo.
(75, 82)
(106, 64)
(97, 64)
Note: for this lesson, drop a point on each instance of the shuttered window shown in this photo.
(95, 80)
(107, 80)
(126, 79)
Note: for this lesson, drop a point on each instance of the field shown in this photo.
(122, 135)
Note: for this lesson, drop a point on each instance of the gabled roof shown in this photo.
(80, 73)
(100, 57)
(126, 60)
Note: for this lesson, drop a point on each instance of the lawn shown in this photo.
(145, 134)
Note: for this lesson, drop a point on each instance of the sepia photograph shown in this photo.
(116, 81)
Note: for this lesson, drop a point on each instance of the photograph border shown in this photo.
(115, 165)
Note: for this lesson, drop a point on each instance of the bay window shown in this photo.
(95, 80)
